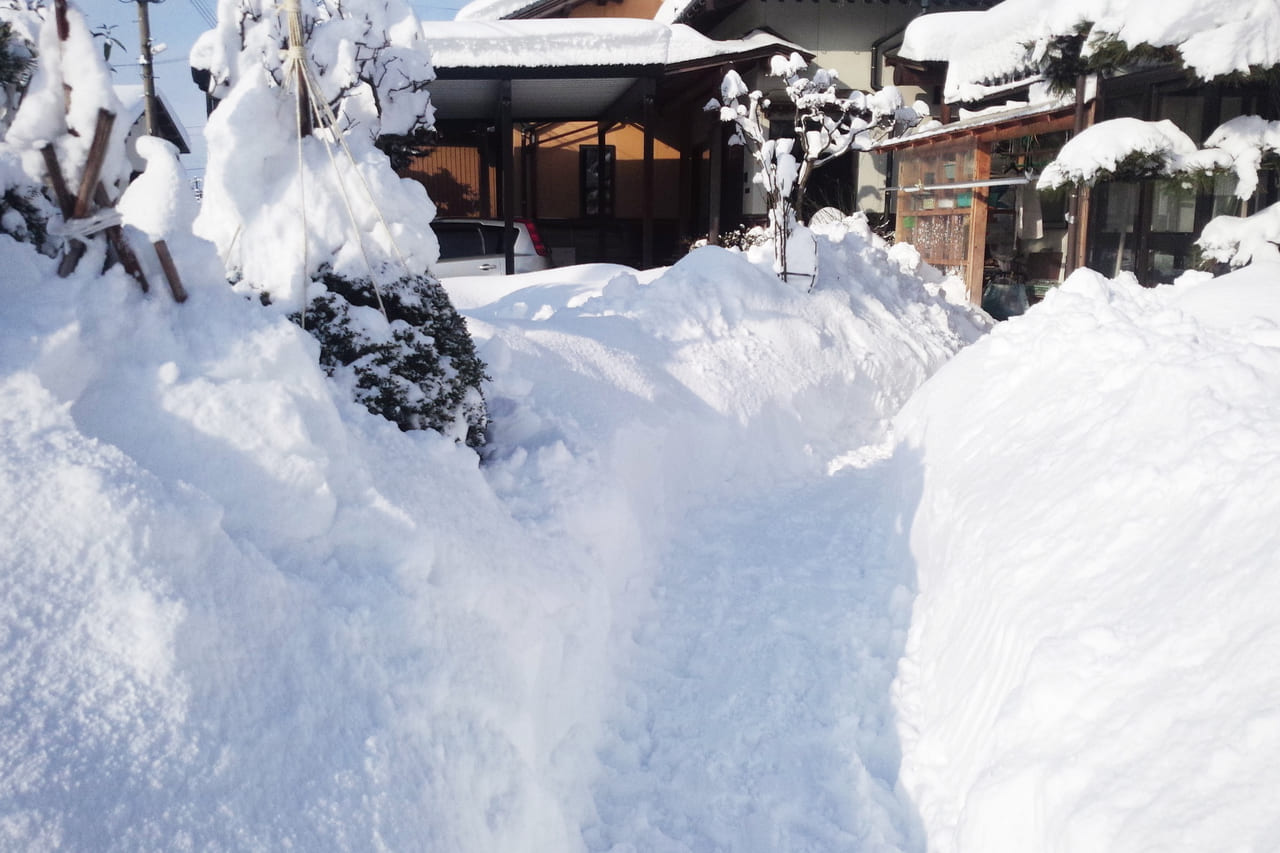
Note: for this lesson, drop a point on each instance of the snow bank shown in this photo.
(716, 354)
(1091, 659)
(242, 613)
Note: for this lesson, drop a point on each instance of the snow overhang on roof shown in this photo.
(168, 127)
(494, 10)
(568, 68)
(1000, 44)
(996, 120)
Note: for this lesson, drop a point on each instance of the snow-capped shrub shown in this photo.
(417, 366)
(300, 206)
(30, 118)
(826, 124)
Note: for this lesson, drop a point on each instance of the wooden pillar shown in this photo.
(977, 253)
(508, 176)
(529, 148)
(646, 239)
(687, 180)
(715, 180)
(1073, 200)
(484, 144)
(602, 135)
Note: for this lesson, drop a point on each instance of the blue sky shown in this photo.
(177, 24)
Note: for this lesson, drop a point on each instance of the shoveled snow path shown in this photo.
(755, 712)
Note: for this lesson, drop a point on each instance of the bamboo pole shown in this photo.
(93, 165)
(118, 242)
(170, 271)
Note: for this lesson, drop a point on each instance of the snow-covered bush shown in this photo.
(1215, 43)
(307, 211)
(417, 367)
(52, 87)
(826, 124)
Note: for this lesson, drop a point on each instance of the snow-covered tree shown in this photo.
(1131, 149)
(826, 125)
(53, 86)
(1212, 42)
(20, 210)
(307, 211)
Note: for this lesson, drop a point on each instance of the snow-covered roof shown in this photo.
(671, 10)
(577, 42)
(1215, 37)
(980, 119)
(546, 43)
(132, 101)
(934, 38)
(492, 10)
(567, 68)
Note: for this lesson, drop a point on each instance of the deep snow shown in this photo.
(704, 593)
(1091, 663)
(239, 612)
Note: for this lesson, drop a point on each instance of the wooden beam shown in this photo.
(646, 240)
(170, 271)
(93, 165)
(715, 183)
(508, 176)
(602, 131)
(977, 253)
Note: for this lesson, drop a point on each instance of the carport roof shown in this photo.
(569, 69)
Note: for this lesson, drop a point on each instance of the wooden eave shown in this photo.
(996, 129)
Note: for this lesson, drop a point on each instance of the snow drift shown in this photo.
(239, 612)
(1090, 663)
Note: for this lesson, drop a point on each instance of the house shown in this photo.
(168, 127)
(854, 37)
(576, 159)
(964, 190)
(595, 128)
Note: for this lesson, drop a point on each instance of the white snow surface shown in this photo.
(1090, 664)
(713, 587)
(240, 612)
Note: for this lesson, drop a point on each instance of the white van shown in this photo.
(476, 247)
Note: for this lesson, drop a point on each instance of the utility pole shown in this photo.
(148, 77)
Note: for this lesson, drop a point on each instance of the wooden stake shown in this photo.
(60, 13)
(128, 260)
(170, 271)
(75, 248)
(115, 236)
(93, 166)
(60, 190)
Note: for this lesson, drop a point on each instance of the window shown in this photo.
(457, 239)
(596, 183)
(493, 242)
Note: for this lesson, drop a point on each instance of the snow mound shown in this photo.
(240, 612)
(716, 353)
(1090, 662)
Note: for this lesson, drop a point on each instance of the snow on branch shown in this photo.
(1245, 141)
(1132, 149)
(1239, 240)
(827, 124)
(1126, 149)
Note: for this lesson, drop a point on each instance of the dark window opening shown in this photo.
(457, 240)
(596, 180)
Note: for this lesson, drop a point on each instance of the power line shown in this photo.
(203, 10)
